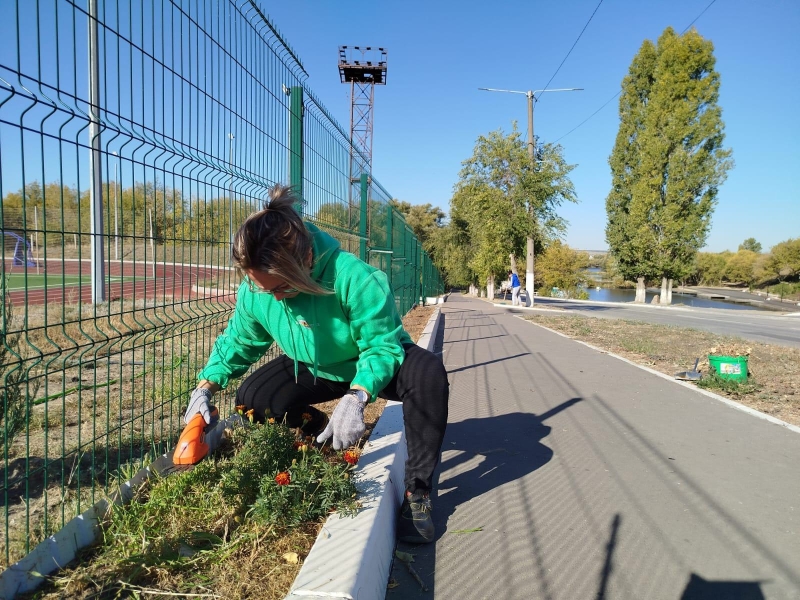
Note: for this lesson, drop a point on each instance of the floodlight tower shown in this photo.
(363, 67)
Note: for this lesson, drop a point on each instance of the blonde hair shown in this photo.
(275, 240)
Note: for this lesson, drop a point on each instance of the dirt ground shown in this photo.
(772, 388)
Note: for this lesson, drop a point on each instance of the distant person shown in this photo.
(334, 317)
(514, 288)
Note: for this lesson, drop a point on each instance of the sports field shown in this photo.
(32, 281)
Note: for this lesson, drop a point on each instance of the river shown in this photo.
(628, 295)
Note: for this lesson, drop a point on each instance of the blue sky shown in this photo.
(430, 113)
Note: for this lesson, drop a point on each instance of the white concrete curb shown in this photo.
(723, 399)
(351, 557)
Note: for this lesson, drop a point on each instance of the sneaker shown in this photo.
(415, 524)
(318, 422)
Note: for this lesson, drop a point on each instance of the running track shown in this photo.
(173, 282)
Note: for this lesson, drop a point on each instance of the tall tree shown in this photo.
(751, 244)
(668, 161)
(424, 219)
(497, 187)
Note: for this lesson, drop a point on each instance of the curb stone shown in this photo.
(351, 557)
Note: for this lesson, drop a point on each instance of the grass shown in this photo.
(774, 383)
(32, 281)
(211, 528)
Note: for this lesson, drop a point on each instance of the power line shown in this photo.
(698, 16)
(620, 91)
(573, 47)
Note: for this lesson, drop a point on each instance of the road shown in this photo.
(758, 326)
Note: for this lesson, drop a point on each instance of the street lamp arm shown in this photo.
(508, 91)
(558, 90)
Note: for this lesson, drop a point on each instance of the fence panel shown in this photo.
(154, 141)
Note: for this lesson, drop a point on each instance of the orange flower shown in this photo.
(250, 414)
(351, 456)
(240, 408)
(283, 478)
(271, 421)
(306, 418)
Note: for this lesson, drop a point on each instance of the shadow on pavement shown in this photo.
(479, 455)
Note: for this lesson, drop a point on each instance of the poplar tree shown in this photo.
(668, 160)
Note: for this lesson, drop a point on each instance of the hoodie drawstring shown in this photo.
(294, 346)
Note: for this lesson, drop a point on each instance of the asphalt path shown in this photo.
(568, 474)
(766, 327)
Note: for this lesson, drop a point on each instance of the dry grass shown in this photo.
(255, 568)
(774, 385)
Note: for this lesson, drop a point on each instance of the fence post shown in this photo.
(296, 142)
(362, 222)
(95, 166)
(390, 245)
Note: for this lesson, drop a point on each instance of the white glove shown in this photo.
(200, 402)
(347, 421)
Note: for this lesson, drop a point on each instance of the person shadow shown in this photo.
(478, 456)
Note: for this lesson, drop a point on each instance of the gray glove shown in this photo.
(200, 402)
(347, 421)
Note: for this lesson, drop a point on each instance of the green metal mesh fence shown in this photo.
(135, 136)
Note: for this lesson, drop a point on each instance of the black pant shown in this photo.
(420, 384)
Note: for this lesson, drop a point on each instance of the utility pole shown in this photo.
(531, 95)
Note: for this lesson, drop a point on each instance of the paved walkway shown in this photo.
(591, 478)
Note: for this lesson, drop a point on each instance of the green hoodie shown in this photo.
(354, 334)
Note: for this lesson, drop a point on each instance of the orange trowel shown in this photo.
(192, 446)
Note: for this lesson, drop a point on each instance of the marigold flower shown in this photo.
(306, 418)
(271, 420)
(351, 457)
(250, 414)
(240, 408)
(283, 478)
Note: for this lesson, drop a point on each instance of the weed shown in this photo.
(713, 381)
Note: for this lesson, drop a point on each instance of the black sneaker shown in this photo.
(415, 525)
(318, 422)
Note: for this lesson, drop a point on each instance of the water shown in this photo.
(605, 294)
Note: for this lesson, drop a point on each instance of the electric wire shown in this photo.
(620, 91)
(572, 48)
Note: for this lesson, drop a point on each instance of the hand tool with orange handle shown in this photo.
(192, 446)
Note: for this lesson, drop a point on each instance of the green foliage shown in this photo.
(740, 267)
(668, 161)
(498, 192)
(785, 289)
(784, 259)
(15, 385)
(562, 267)
(202, 509)
(713, 381)
(751, 244)
(424, 220)
(710, 267)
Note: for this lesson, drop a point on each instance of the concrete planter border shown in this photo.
(351, 557)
